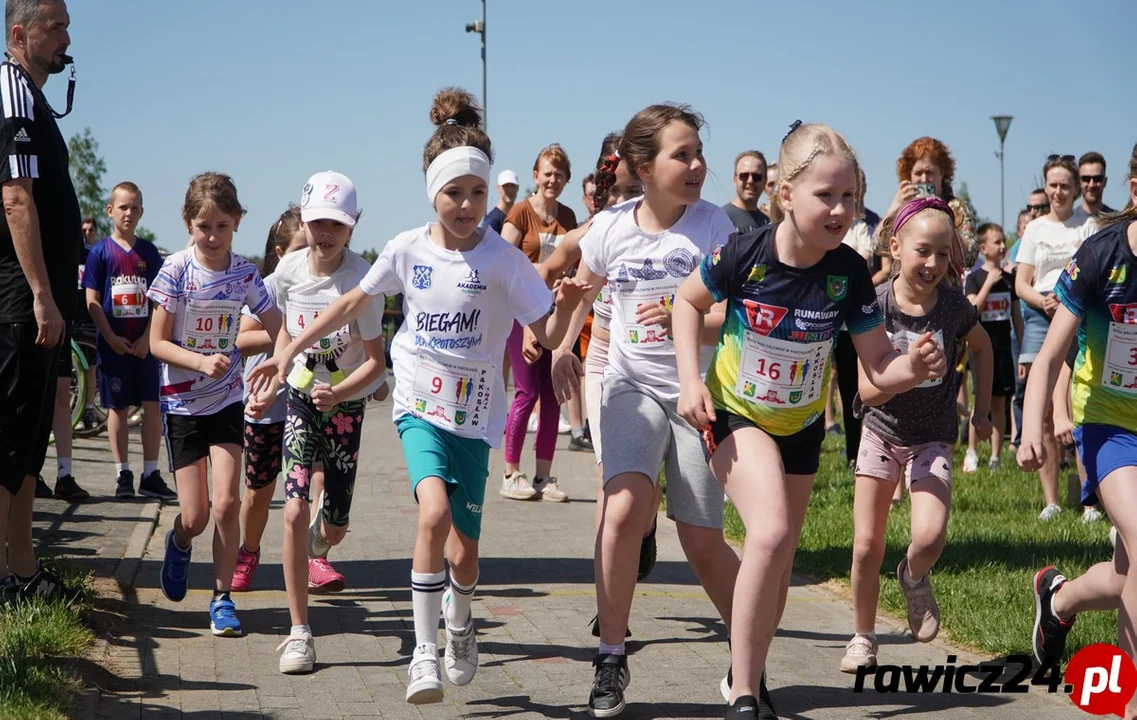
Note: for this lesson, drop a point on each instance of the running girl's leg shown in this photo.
(626, 498)
(263, 449)
(550, 415)
(871, 501)
(226, 463)
(193, 502)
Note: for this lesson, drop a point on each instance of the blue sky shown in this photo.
(273, 91)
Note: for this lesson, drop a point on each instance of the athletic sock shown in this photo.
(301, 630)
(612, 649)
(148, 467)
(577, 433)
(64, 467)
(426, 599)
(122, 467)
(458, 613)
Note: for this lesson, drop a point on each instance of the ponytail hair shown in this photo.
(279, 237)
(606, 165)
(1130, 211)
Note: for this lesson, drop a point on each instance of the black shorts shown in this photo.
(189, 437)
(27, 402)
(1005, 376)
(801, 452)
(263, 453)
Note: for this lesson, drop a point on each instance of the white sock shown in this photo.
(426, 599)
(149, 466)
(122, 467)
(301, 630)
(612, 649)
(458, 613)
(64, 467)
(871, 637)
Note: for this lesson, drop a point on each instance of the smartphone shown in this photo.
(925, 190)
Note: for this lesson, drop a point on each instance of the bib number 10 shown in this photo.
(204, 324)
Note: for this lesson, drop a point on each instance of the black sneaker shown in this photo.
(9, 592)
(43, 490)
(44, 585)
(765, 703)
(67, 489)
(648, 551)
(580, 443)
(90, 419)
(595, 623)
(744, 708)
(1049, 636)
(608, 685)
(153, 486)
(124, 486)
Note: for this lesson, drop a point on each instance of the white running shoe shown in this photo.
(1049, 512)
(547, 489)
(424, 679)
(516, 486)
(532, 427)
(859, 653)
(564, 427)
(461, 654)
(318, 547)
(299, 654)
(970, 461)
(1091, 515)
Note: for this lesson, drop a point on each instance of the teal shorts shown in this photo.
(463, 463)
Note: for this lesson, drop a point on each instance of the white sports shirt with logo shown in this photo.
(206, 305)
(644, 268)
(460, 308)
(302, 296)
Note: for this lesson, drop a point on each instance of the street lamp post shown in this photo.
(479, 26)
(1002, 124)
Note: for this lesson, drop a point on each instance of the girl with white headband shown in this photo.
(462, 287)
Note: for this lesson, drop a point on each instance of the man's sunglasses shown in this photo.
(1039, 208)
(1064, 158)
(752, 177)
(1093, 179)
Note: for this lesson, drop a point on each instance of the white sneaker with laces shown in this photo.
(318, 547)
(516, 486)
(1091, 515)
(424, 679)
(299, 654)
(461, 656)
(859, 653)
(1049, 512)
(548, 490)
(970, 461)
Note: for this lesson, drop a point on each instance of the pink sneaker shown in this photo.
(246, 568)
(322, 577)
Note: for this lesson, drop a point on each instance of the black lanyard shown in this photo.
(68, 60)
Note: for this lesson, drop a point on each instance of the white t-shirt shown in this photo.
(279, 408)
(859, 239)
(302, 296)
(459, 309)
(206, 305)
(644, 268)
(1048, 245)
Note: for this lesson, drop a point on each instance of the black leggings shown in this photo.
(845, 357)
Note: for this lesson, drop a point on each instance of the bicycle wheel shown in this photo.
(78, 384)
(85, 343)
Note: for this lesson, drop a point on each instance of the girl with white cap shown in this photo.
(463, 287)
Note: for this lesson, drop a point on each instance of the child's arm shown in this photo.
(983, 360)
(554, 329)
(566, 366)
(870, 395)
(346, 309)
(162, 329)
(1040, 386)
(692, 302)
(979, 299)
(565, 256)
(253, 339)
(140, 348)
(120, 345)
(1063, 414)
(1017, 319)
(325, 397)
(892, 373)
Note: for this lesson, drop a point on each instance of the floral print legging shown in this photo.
(333, 438)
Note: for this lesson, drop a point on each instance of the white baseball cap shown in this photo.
(329, 196)
(507, 177)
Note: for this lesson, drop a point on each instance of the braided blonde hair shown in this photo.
(799, 149)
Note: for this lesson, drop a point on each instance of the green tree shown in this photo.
(146, 234)
(370, 255)
(87, 170)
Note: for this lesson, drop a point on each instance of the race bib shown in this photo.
(998, 307)
(779, 373)
(128, 299)
(211, 325)
(902, 339)
(646, 292)
(302, 311)
(1120, 371)
(452, 393)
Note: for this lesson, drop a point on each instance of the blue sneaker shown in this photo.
(223, 617)
(175, 570)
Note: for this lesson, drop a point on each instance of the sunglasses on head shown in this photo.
(751, 177)
(1064, 158)
(1044, 208)
(1093, 178)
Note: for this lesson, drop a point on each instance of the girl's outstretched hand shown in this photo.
(927, 357)
(567, 373)
(695, 404)
(570, 291)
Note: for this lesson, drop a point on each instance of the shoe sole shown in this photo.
(516, 496)
(171, 598)
(155, 495)
(124, 496)
(724, 688)
(333, 586)
(611, 712)
(72, 498)
(225, 632)
(297, 667)
(853, 669)
(545, 498)
(426, 695)
(1035, 635)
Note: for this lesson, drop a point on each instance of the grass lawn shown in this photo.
(36, 638)
(995, 545)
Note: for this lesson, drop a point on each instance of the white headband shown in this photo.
(453, 164)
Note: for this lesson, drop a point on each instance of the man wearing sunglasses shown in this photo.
(749, 182)
(1091, 171)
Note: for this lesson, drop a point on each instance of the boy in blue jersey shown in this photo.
(118, 274)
